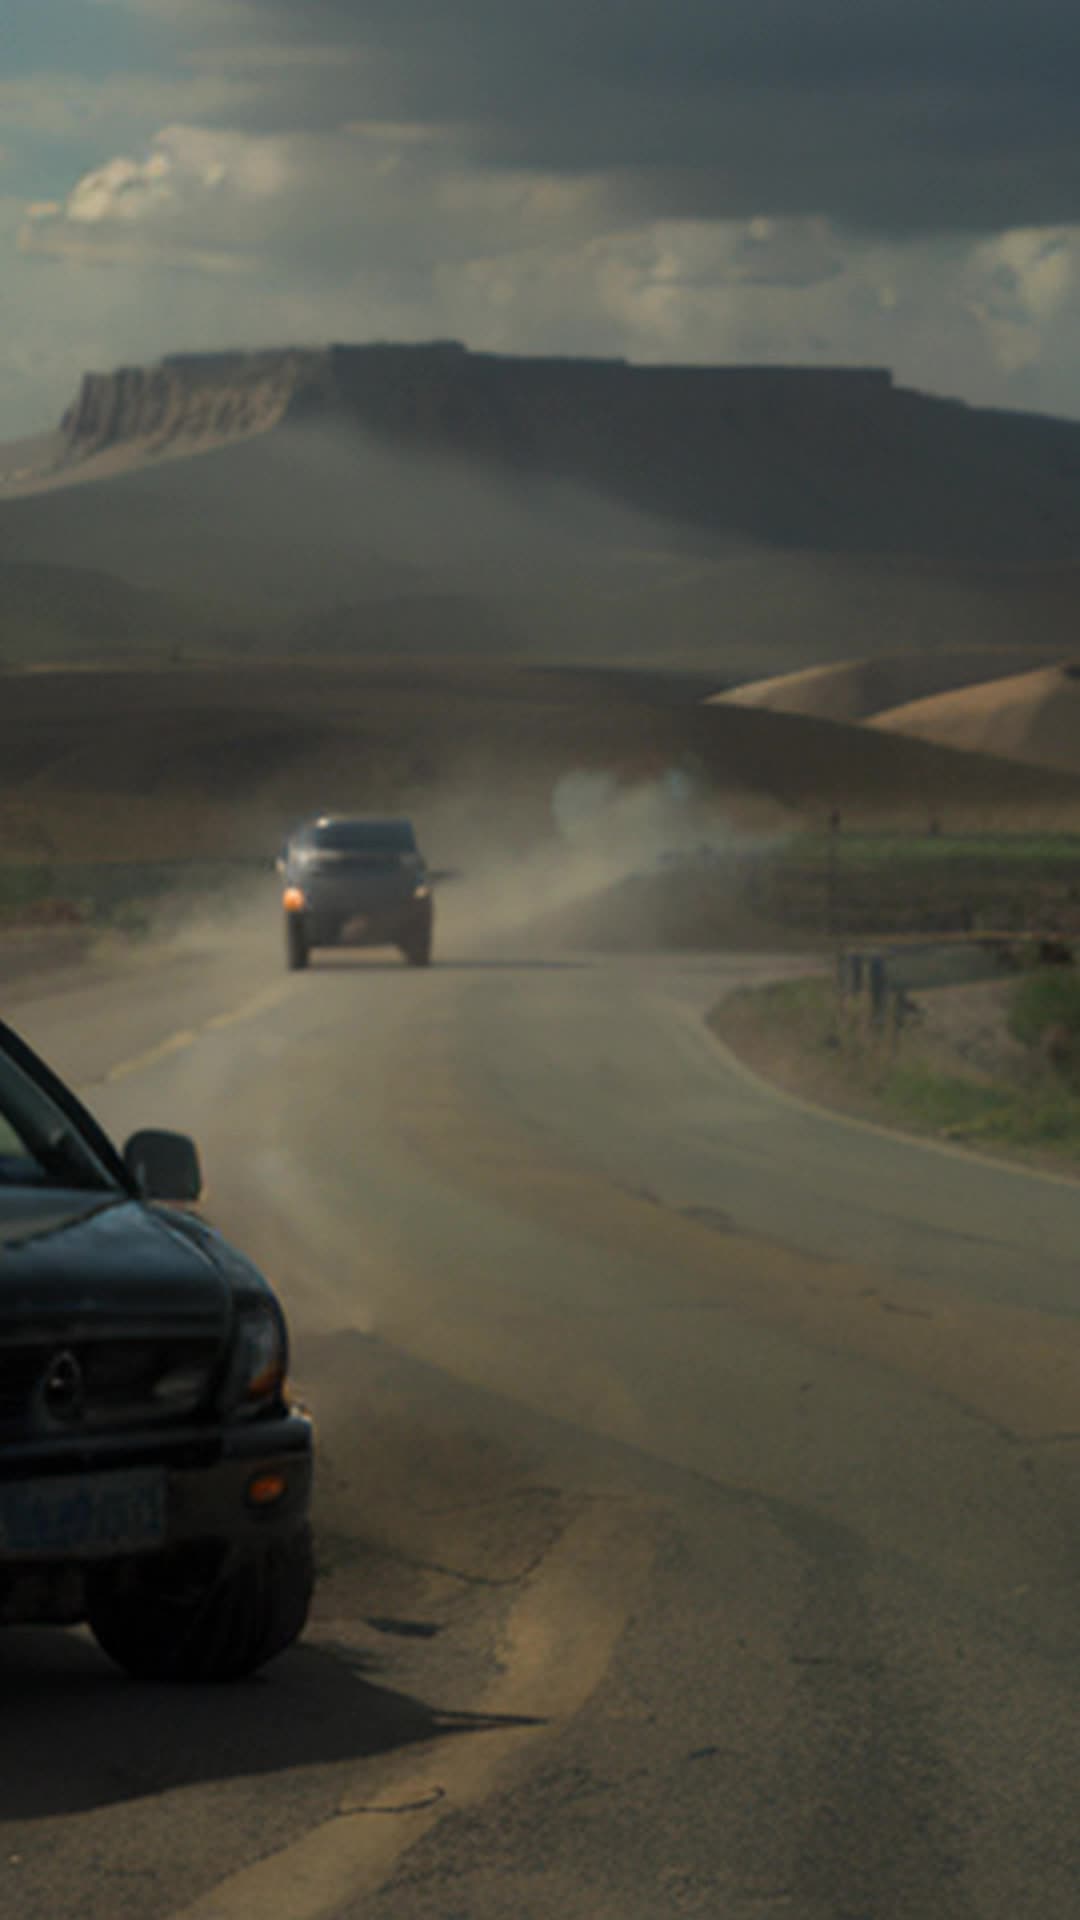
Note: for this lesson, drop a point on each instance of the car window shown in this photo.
(363, 836)
(13, 1150)
(38, 1142)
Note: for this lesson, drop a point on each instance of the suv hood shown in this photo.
(99, 1260)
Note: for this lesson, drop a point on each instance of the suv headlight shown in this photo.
(259, 1362)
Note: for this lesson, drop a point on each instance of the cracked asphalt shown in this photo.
(699, 1475)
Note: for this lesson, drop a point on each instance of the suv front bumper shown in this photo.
(385, 926)
(233, 1490)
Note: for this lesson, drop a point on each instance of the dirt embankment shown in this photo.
(945, 1060)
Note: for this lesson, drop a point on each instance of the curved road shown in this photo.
(700, 1476)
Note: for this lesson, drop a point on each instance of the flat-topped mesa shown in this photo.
(586, 417)
(442, 395)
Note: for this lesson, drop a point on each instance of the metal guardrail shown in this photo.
(882, 978)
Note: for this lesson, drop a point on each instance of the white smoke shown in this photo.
(603, 833)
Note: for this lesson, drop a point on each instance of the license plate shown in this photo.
(82, 1518)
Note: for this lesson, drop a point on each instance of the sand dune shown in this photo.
(1032, 717)
(853, 690)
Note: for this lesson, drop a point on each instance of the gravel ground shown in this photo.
(966, 1029)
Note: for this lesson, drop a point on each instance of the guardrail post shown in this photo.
(878, 987)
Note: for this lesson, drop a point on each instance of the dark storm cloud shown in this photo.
(895, 116)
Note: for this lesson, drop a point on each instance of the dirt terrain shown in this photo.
(219, 762)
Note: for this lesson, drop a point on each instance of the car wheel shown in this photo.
(296, 943)
(418, 952)
(186, 1621)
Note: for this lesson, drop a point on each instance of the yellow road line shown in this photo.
(178, 1042)
(175, 1043)
(561, 1637)
(260, 1003)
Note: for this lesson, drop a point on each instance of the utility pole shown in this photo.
(832, 875)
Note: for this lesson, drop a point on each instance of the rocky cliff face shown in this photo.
(187, 399)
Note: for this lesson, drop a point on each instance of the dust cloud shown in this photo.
(604, 833)
(499, 884)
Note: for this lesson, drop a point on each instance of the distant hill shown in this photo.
(72, 614)
(359, 499)
(828, 459)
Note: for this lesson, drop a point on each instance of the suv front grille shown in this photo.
(101, 1385)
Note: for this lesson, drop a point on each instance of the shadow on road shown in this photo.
(328, 961)
(78, 1735)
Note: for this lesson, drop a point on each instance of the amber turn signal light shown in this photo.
(293, 900)
(266, 1489)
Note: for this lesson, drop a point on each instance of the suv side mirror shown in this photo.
(164, 1166)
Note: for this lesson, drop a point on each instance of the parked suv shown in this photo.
(356, 883)
(154, 1476)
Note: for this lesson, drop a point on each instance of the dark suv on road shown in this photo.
(356, 883)
(154, 1477)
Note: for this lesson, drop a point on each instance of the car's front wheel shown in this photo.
(187, 1620)
(296, 943)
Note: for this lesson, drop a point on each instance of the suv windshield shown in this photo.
(361, 836)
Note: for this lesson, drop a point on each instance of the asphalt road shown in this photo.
(700, 1476)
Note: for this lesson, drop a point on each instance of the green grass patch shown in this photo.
(808, 1003)
(1043, 1115)
(1049, 997)
(884, 849)
(122, 896)
(942, 1102)
(24, 887)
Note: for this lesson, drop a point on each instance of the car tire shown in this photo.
(185, 1622)
(418, 952)
(296, 943)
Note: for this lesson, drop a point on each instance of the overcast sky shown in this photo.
(894, 182)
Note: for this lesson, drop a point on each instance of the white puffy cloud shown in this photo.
(327, 206)
(123, 190)
(192, 201)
